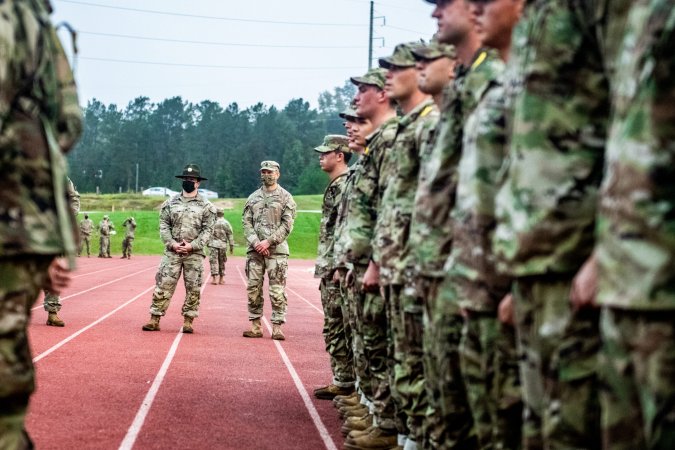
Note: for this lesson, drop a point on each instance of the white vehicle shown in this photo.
(207, 194)
(160, 191)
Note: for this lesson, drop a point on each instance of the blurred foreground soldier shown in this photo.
(268, 219)
(40, 119)
(334, 155)
(636, 236)
(221, 238)
(129, 225)
(86, 228)
(546, 211)
(185, 225)
(488, 347)
(52, 301)
(105, 229)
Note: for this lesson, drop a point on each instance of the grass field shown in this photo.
(303, 240)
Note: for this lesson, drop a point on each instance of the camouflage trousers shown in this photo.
(276, 267)
(127, 245)
(336, 333)
(104, 246)
(558, 350)
(637, 365)
(85, 240)
(490, 368)
(170, 268)
(20, 281)
(52, 302)
(364, 360)
(217, 260)
(450, 424)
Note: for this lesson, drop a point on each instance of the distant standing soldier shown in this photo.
(221, 239)
(129, 225)
(105, 228)
(52, 302)
(268, 219)
(185, 225)
(86, 228)
(334, 155)
(38, 97)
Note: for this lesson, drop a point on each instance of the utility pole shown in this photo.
(371, 38)
(136, 177)
(370, 35)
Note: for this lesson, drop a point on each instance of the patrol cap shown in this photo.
(192, 171)
(374, 77)
(105, 217)
(434, 50)
(350, 114)
(402, 56)
(332, 143)
(269, 165)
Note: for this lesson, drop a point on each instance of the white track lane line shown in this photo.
(98, 286)
(102, 270)
(82, 330)
(314, 414)
(305, 300)
(137, 424)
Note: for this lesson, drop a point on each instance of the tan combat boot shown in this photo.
(351, 399)
(356, 423)
(277, 333)
(255, 331)
(54, 321)
(213, 279)
(153, 325)
(187, 325)
(329, 392)
(222, 279)
(352, 411)
(377, 438)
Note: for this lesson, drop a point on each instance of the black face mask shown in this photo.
(188, 186)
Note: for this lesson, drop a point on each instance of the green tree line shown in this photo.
(227, 142)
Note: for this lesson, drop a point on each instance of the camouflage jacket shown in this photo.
(269, 215)
(222, 236)
(546, 207)
(38, 111)
(187, 218)
(636, 243)
(105, 227)
(332, 197)
(341, 239)
(129, 227)
(431, 230)
(472, 263)
(400, 174)
(366, 195)
(86, 227)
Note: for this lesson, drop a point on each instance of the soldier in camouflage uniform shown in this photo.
(185, 225)
(431, 232)
(129, 225)
(636, 233)
(222, 238)
(391, 235)
(105, 229)
(41, 119)
(361, 211)
(356, 408)
(86, 228)
(334, 155)
(487, 349)
(52, 301)
(546, 213)
(267, 220)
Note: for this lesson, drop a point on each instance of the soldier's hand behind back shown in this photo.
(59, 276)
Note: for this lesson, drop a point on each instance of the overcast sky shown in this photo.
(252, 51)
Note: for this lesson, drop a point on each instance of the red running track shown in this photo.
(102, 383)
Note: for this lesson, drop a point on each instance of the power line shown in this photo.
(211, 66)
(229, 19)
(229, 44)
